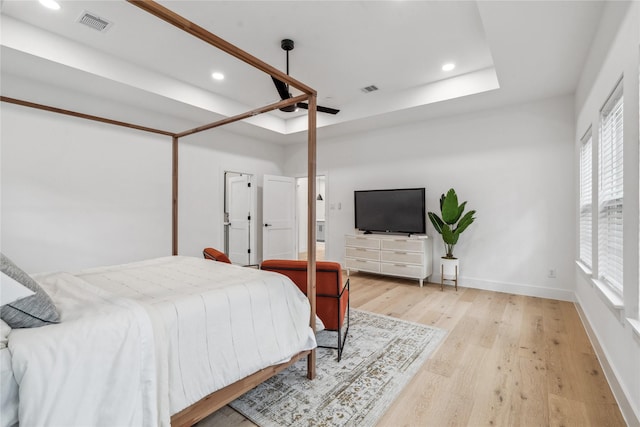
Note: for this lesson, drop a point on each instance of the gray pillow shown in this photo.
(30, 312)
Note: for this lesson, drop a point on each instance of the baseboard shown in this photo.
(626, 408)
(511, 288)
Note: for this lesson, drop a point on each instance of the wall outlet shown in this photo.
(552, 273)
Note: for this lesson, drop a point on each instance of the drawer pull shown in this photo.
(400, 265)
(400, 253)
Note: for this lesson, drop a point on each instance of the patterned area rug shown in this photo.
(381, 355)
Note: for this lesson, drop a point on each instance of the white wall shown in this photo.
(203, 159)
(615, 53)
(513, 165)
(77, 193)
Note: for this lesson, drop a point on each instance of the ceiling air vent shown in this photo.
(369, 89)
(92, 20)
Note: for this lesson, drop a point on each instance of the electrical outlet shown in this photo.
(552, 273)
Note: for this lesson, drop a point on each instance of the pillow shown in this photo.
(36, 310)
(11, 290)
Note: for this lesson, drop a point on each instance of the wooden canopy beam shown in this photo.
(267, 108)
(195, 30)
(83, 116)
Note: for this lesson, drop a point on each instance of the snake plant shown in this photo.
(452, 223)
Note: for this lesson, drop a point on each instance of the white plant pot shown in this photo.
(450, 268)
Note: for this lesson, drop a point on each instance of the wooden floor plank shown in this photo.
(507, 360)
(533, 393)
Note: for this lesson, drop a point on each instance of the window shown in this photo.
(610, 194)
(585, 252)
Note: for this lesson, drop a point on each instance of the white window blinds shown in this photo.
(585, 253)
(610, 195)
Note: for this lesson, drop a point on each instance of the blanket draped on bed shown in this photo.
(78, 371)
(181, 324)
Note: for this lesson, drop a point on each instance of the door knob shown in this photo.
(268, 225)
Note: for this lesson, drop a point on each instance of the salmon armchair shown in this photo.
(332, 295)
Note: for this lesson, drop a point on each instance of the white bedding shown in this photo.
(184, 324)
(8, 391)
(96, 367)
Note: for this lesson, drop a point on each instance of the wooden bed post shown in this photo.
(174, 197)
(311, 226)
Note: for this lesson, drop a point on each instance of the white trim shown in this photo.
(585, 270)
(635, 326)
(612, 298)
(618, 390)
(511, 288)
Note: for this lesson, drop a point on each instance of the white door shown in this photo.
(239, 219)
(278, 218)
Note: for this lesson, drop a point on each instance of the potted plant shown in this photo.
(450, 226)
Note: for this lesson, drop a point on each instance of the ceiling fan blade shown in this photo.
(282, 88)
(319, 108)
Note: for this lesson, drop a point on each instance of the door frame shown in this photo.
(301, 218)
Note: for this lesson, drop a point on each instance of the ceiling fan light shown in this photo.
(289, 109)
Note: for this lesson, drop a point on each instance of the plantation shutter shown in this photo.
(585, 250)
(610, 198)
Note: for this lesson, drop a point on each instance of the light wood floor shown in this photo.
(319, 252)
(508, 360)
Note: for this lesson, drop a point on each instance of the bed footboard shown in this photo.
(216, 400)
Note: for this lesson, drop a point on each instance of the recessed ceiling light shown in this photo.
(50, 4)
(217, 76)
(449, 66)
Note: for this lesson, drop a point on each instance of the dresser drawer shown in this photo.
(404, 270)
(364, 254)
(362, 265)
(402, 257)
(363, 242)
(412, 245)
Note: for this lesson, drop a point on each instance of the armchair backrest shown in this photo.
(328, 274)
(215, 255)
(332, 295)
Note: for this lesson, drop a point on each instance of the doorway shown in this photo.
(321, 217)
(239, 217)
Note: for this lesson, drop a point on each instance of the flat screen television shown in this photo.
(400, 211)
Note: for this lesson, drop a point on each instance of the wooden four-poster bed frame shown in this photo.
(220, 398)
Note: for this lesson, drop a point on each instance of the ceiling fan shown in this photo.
(283, 88)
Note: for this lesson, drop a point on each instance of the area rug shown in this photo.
(381, 355)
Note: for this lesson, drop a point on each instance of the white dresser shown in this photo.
(400, 256)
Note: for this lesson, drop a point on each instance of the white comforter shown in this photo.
(97, 367)
(131, 332)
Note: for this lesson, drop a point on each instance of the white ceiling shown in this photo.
(144, 71)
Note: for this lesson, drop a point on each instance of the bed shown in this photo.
(140, 342)
(144, 317)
